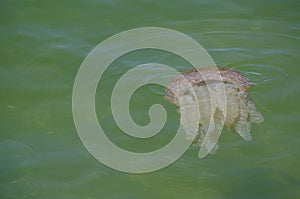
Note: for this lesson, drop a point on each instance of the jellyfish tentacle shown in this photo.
(209, 144)
(189, 117)
(243, 125)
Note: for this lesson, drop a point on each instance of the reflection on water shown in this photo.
(43, 45)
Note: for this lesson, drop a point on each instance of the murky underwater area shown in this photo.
(42, 47)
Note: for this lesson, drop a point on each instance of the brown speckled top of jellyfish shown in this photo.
(239, 110)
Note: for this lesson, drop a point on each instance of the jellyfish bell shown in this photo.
(238, 113)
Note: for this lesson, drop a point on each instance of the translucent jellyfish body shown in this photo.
(221, 97)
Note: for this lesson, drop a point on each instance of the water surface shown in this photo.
(42, 47)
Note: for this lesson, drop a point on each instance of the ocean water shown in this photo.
(42, 47)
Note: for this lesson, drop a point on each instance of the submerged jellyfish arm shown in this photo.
(189, 116)
(213, 134)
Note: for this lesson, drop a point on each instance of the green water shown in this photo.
(42, 47)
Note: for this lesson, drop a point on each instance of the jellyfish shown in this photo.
(202, 88)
